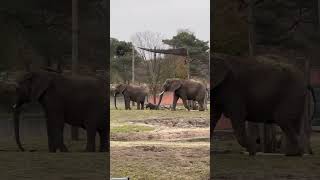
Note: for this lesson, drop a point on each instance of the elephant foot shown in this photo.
(90, 149)
(64, 149)
(103, 150)
(294, 153)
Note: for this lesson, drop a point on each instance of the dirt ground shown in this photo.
(163, 144)
(230, 163)
(40, 165)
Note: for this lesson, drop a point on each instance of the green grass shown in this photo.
(121, 115)
(130, 129)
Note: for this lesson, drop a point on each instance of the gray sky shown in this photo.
(128, 17)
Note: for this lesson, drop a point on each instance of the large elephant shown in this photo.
(7, 95)
(79, 101)
(186, 90)
(133, 93)
(259, 89)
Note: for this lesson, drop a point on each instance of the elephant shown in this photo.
(80, 101)
(186, 90)
(152, 106)
(134, 93)
(262, 90)
(7, 95)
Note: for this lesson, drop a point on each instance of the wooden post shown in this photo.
(75, 31)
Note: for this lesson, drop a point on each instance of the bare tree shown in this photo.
(150, 40)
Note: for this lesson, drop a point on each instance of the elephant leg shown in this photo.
(238, 124)
(103, 140)
(185, 104)
(217, 112)
(127, 103)
(292, 141)
(55, 127)
(201, 105)
(142, 105)
(138, 105)
(91, 138)
(252, 135)
(50, 139)
(62, 147)
(175, 100)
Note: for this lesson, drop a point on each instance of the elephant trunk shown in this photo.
(161, 95)
(115, 100)
(16, 119)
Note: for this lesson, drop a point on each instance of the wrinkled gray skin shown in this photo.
(133, 93)
(259, 91)
(186, 90)
(78, 101)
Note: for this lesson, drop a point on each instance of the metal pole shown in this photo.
(132, 64)
(133, 69)
(75, 31)
(153, 76)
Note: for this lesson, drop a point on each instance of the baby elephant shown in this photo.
(152, 106)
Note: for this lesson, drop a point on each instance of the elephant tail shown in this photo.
(310, 88)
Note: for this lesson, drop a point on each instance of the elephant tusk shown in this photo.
(14, 106)
(161, 93)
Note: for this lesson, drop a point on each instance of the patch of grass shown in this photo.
(130, 128)
(119, 115)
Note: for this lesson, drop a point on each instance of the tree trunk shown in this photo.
(307, 124)
(251, 29)
(75, 31)
(316, 15)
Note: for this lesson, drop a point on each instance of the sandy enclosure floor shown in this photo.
(175, 147)
(231, 163)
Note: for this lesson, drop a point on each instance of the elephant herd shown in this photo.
(184, 89)
(259, 90)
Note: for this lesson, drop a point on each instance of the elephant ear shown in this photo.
(39, 84)
(174, 85)
(220, 71)
(122, 87)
